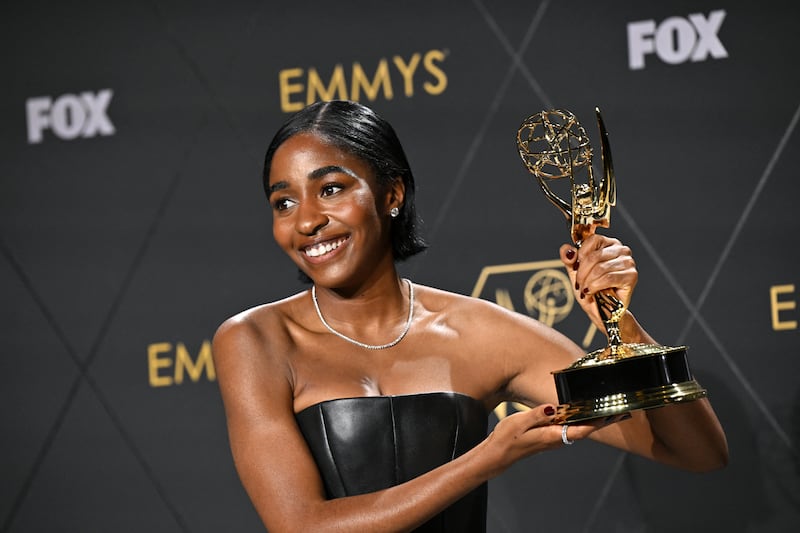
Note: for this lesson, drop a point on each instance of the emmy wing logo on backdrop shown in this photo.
(69, 116)
(676, 40)
(541, 287)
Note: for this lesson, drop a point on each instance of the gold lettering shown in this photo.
(435, 71)
(337, 88)
(407, 71)
(154, 363)
(195, 369)
(776, 306)
(297, 81)
(361, 81)
(287, 89)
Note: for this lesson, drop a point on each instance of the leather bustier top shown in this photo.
(371, 443)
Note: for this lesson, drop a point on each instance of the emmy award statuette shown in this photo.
(621, 377)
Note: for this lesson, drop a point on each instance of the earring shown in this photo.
(394, 212)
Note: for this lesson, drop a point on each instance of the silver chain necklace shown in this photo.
(362, 344)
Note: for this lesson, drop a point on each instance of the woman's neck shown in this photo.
(373, 313)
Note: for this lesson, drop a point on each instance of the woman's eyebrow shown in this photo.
(277, 186)
(329, 169)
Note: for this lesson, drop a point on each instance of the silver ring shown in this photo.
(564, 438)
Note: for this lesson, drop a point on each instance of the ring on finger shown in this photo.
(564, 437)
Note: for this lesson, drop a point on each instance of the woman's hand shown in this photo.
(529, 432)
(601, 263)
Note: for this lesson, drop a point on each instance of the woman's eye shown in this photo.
(330, 189)
(282, 204)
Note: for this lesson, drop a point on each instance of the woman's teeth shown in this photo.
(323, 248)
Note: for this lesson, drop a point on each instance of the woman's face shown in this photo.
(329, 213)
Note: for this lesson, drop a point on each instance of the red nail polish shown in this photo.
(575, 265)
(586, 290)
(570, 254)
(577, 287)
(549, 411)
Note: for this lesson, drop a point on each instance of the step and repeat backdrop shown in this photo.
(132, 222)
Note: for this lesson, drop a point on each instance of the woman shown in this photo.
(361, 404)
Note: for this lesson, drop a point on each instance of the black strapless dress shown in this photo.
(367, 444)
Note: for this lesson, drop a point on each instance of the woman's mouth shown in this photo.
(322, 248)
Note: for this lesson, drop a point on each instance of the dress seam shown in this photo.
(394, 443)
(330, 451)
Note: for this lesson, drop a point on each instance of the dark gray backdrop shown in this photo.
(134, 224)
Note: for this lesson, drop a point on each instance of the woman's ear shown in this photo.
(396, 194)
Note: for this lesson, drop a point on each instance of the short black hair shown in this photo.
(358, 130)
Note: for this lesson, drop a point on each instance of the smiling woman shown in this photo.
(328, 205)
(362, 403)
(358, 131)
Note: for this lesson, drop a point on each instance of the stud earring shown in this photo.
(394, 212)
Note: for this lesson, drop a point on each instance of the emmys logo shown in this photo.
(169, 364)
(300, 87)
(69, 116)
(677, 39)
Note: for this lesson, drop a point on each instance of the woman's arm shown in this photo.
(279, 473)
(687, 436)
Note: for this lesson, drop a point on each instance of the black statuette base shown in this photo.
(653, 376)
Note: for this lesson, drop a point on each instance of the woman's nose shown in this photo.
(310, 219)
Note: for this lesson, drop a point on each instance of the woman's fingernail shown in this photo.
(570, 254)
(549, 410)
(577, 287)
(586, 290)
(575, 265)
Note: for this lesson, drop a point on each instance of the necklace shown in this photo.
(362, 344)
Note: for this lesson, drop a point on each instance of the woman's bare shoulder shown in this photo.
(462, 307)
(267, 327)
(485, 323)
